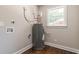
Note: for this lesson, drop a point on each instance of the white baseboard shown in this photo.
(49, 44)
(62, 47)
(24, 49)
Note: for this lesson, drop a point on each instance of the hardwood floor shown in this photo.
(48, 50)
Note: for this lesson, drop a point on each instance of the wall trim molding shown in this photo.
(49, 44)
(62, 47)
(24, 49)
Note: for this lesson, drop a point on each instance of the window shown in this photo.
(56, 16)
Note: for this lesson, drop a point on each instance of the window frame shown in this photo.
(65, 15)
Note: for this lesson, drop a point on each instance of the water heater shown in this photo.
(37, 36)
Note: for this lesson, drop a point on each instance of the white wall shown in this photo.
(65, 36)
(12, 42)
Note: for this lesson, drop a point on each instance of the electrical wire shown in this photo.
(24, 11)
(24, 14)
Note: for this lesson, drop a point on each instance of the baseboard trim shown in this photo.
(23, 49)
(62, 47)
(49, 44)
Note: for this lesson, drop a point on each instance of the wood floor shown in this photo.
(48, 50)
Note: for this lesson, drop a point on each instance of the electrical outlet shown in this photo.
(29, 36)
(10, 29)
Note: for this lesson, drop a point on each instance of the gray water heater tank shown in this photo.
(37, 35)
